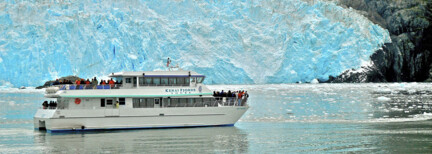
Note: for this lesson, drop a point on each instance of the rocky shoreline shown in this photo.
(408, 58)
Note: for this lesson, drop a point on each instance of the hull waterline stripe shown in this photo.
(173, 95)
(126, 128)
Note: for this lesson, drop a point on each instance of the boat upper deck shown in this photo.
(135, 84)
(180, 73)
(129, 80)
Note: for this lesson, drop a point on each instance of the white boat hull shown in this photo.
(136, 118)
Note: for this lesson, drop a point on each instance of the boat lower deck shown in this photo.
(137, 118)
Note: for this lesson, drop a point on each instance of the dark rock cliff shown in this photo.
(408, 58)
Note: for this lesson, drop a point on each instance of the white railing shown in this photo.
(87, 86)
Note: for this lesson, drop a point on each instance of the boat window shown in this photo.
(183, 102)
(156, 81)
(141, 81)
(135, 103)
(143, 102)
(172, 81)
(199, 102)
(165, 101)
(119, 79)
(187, 81)
(174, 102)
(128, 80)
(190, 102)
(122, 101)
(207, 101)
(109, 102)
(192, 79)
(150, 102)
(200, 79)
(180, 80)
(164, 81)
(134, 81)
(148, 80)
(102, 102)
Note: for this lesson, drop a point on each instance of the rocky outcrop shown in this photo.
(69, 78)
(408, 58)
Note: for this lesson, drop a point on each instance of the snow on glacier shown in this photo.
(231, 42)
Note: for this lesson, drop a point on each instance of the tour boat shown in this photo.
(152, 99)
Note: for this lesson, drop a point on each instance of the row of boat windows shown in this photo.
(165, 80)
(173, 102)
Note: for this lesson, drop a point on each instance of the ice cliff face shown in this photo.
(230, 42)
(408, 58)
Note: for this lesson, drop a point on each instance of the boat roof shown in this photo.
(181, 73)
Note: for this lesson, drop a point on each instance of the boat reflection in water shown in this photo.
(182, 140)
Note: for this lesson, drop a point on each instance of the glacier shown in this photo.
(231, 42)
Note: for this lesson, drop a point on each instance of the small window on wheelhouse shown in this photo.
(102, 102)
(200, 79)
(122, 101)
(128, 80)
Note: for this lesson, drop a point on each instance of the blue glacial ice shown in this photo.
(231, 42)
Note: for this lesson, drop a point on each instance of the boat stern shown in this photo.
(42, 117)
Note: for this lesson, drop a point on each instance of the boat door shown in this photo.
(110, 108)
(157, 103)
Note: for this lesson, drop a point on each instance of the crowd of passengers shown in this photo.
(87, 82)
(241, 96)
(50, 105)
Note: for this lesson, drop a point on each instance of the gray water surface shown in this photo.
(311, 118)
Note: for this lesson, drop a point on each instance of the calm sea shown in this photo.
(289, 118)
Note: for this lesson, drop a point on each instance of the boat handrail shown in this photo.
(108, 86)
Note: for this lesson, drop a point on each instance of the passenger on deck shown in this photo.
(82, 81)
(94, 81)
(111, 83)
(102, 82)
(77, 82)
(87, 82)
(50, 105)
(117, 104)
(45, 104)
(56, 82)
(239, 98)
(229, 95)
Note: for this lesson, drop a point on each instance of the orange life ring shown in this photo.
(77, 101)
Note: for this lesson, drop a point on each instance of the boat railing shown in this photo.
(87, 86)
(110, 86)
(231, 101)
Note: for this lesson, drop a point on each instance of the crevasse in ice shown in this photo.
(231, 42)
